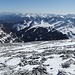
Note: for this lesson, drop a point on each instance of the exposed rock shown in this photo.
(62, 73)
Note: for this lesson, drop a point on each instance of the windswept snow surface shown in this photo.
(51, 57)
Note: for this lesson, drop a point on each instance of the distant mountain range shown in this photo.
(26, 27)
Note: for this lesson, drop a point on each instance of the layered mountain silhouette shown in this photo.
(38, 27)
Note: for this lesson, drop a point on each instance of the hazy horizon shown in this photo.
(38, 6)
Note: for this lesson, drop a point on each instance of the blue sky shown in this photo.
(38, 6)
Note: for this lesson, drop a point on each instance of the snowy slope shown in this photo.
(41, 58)
(6, 36)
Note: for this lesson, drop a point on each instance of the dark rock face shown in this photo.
(35, 34)
(42, 34)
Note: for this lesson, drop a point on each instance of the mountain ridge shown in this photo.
(22, 23)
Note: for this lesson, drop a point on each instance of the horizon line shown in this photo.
(40, 13)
